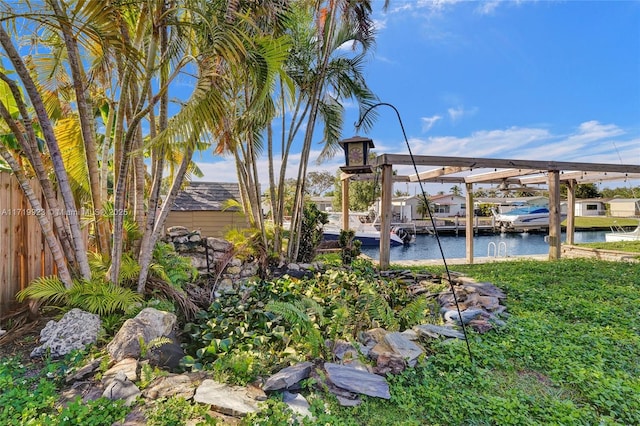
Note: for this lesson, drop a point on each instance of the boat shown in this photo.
(618, 233)
(365, 231)
(523, 218)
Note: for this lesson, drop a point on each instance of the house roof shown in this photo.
(206, 196)
(624, 200)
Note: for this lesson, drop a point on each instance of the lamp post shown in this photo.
(356, 153)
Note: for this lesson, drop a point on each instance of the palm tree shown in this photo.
(455, 190)
(318, 78)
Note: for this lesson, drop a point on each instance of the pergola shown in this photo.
(470, 171)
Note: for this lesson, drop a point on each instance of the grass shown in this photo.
(602, 222)
(630, 246)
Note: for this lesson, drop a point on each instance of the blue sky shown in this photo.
(543, 80)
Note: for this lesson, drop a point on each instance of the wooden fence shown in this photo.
(23, 252)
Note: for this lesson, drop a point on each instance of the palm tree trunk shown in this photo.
(30, 147)
(85, 114)
(47, 229)
(54, 151)
(145, 256)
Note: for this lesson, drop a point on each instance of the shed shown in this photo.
(624, 207)
(202, 206)
(591, 207)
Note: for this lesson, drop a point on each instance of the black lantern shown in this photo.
(356, 153)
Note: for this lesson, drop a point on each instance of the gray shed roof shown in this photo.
(206, 196)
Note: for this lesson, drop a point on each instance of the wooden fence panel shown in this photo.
(23, 253)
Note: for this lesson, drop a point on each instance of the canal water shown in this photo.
(515, 244)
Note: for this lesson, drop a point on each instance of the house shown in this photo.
(590, 207)
(407, 208)
(202, 206)
(448, 205)
(624, 207)
(324, 204)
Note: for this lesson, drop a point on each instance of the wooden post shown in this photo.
(571, 210)
(345, 203)
(385, 216)
(469, 223)
(554, 214)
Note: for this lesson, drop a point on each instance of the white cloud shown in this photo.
(428, 122)
(591, 142)
(487, 7)
(455, 114)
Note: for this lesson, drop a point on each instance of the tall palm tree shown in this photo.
(319, 76)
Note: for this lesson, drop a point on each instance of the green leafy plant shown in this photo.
(311, 232)
(301, 315)
(96, 296)
(98, 412)
(171, 267)
(175, 411)
(349, 247)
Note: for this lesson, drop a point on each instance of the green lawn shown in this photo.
(568, 355)
(603, 222)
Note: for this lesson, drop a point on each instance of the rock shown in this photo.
(486, 289)
(400, 344)
(389, 362)
(374, 335)
(287, 377)
(466, 315)
(293, 267)
(85, 372)
(343, 350)
(149, 324)
(357, 381)
(435, 331)
(480, 325)
(230, 400)
(348, 402)
(2, 332)
(254, 392)
(74, 331)
(218, 244)
(122, 388)
(177, 231)
(166, 356)
(128, 366)
(168, 386)
(298, 404)
(411, 335)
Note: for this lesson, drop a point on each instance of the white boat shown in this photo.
(523, 218)
(618, 233)
(365, 231)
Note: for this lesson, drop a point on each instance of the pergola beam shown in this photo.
(435, 173)
(581, 177)
(500, 174)
(498, 163)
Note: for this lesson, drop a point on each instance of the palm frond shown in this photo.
(49, 290)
